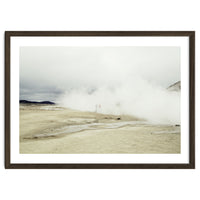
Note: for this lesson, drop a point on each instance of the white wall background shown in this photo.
(99, 15)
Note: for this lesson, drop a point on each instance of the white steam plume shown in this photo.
(133, 96)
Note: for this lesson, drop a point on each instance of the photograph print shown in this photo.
(100, 100)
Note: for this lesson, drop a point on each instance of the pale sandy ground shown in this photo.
(52, 129)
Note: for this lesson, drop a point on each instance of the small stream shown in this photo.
(90, 126)
(97, 126)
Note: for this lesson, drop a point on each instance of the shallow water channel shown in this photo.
(95, 126)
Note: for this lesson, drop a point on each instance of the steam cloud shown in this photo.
(136, 97)
(114, 80)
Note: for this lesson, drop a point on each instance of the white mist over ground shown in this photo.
(136, 97)
(112, 80)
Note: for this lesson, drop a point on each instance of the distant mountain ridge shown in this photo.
(175, 87)
(36, 102)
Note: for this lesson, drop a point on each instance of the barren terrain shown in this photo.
(56, 130)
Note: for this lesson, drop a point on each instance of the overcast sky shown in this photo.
(47, 72)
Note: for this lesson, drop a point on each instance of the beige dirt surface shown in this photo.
(57, 130)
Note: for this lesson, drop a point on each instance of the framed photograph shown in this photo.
(100, 99)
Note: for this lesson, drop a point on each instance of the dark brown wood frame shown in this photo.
(190, 165)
